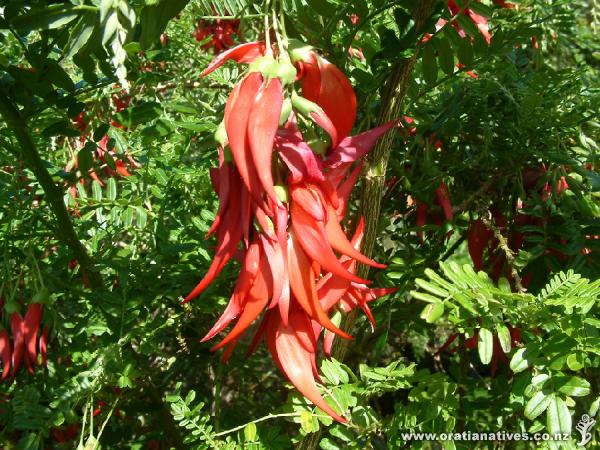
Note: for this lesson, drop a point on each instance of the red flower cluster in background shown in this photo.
(481, 240)
(27, 342)
(218, 34)
(107, 157)
(285, 201)
(498, 353)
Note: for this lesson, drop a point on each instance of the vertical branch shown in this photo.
(392, 96)
(64, 228)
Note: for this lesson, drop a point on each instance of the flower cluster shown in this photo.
(27, 342)
(287, 166)
(217, 34)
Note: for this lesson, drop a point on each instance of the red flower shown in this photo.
(284, 201)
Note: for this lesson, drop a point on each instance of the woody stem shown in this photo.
(64, 227)
(392, 96)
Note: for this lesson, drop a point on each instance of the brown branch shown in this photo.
(64, 227)
(392, 96)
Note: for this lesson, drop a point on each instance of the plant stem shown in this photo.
(64, 227)
(392, 96)
(262, 419)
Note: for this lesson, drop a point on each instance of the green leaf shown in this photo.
(520, 360)
(429, 63)
(250, 432)
(465, 53)
(485, 345)
(58, 77)
(432, 288)
(432, 312)
(573, 386)
(48, 18)
(537, 405)
(575, 361)
(142, 217)
(96, 191)
(139, 114)
(128, 217)
(504, 337)
(111, 189)
(85, 160)
(558, 416)
(155, 17)
(445, 55)
(308, 422)
(81, 34)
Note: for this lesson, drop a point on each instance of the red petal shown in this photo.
(44, 345)
(278, 265)
(17, 327)
(245, 279)
(443, 197)
(345, 189)
(257, 300)
(322, 119)
(262, 126)
(478, 237)
(298, 157)
(31, 324)
(309, 200)
(302, 283)
(242, 54)
(338, 240)
(352, 148)
(224, 175)
(296, 363)
(237, 115)
(5, 353)
(311, 78)
(313, 238)
(228, 237)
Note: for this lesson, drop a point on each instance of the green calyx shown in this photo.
(318, 146)
(270, 67)
(286, 72)
(282, 193)
(286, 109)
(221, 135)
(265, 65)
(298, 50)
(302, 105)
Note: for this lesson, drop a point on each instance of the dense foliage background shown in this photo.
(102, 109)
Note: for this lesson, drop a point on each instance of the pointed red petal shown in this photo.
(31, 324)
(242, 54)
(311, 78)
(296, 363)
(257, 300)
(443, 197)
(302, 284)
(228, 237)
(345, 189)
(313, 238)
(339, 242)
(17, 327)
(309, 200)
(262, 126)
(278, 267)
(337, 97)
(352, 148)
(5, 353)
(298, 157)
(237, 115)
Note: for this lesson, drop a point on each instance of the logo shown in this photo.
(584, 426)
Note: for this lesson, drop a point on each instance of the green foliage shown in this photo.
(110, 96)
